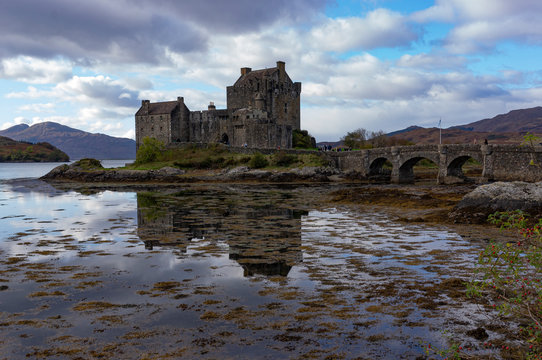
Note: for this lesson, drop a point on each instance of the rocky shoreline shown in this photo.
(77, 173)
(460, 204)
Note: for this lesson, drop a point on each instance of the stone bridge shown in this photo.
(499, 162)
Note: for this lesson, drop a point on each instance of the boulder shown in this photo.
(169, 171)
(477, 205)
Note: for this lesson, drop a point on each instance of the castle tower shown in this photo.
(259, 102)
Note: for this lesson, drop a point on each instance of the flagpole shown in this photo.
(440, 130)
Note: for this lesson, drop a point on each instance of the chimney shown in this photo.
(245, 70)
(211, 106)
(281, 65)
(145, 106)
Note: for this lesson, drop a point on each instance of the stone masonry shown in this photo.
(499, 162)
(263, 108)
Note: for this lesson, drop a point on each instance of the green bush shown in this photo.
(509, 277)
(301, 139)
(88, 164)
(281, 158)
(149, 151)
(258, 161)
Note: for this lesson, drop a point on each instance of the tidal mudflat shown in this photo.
(230, 271)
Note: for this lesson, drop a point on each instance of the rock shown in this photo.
(479, 334)
(477, 205)
(91, 171)
(169, 171)
(237, 170)
(56, 172)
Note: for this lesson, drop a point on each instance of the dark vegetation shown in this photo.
(301, 139)
(153, 154)
(22, 151)
(88, 164)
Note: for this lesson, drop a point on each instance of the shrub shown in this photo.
(88, 164)
(510, 276)
(149, 151)
(258, 161)
(281, 158)
(301, 139)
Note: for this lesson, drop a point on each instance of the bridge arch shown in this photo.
(454, 166)
(405, 172)
(378, 169)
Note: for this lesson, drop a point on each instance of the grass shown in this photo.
(215, 157)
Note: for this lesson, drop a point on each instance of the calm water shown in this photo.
(35, 170)
(232, 271)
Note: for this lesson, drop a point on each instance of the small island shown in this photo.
(23, 151)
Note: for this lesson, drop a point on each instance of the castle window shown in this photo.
(286, 108)
(161, 128)
(152, 128)
(160, 119)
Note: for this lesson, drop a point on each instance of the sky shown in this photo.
(373, 64)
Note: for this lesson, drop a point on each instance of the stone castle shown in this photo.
(263, 108)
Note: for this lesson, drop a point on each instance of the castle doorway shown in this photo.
(225, 139)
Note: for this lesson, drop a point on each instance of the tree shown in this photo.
(378, 139)
(356, 139)
(149, 151)
(301, 139)
(530, 140)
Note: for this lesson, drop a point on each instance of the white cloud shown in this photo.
(425, 61)
(38, 108)
(101, 89)
(34, 70)
(394, 115)
(480, 25)
(31, 93)
(381, 28)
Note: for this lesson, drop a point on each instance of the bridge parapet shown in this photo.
(499, 162)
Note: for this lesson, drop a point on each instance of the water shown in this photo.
(223, 271)
(35, 170)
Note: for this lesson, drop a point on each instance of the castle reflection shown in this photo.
(262, 234)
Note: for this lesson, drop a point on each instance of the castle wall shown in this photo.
(207, 126)
(155, 126)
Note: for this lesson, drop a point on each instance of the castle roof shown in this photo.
(255, 74)
(157, 108)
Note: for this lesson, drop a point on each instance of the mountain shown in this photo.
(20, 151)
(524, 120)
(77, 144)
(502, 129)
(410, 128)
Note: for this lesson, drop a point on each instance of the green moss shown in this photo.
(88, 164)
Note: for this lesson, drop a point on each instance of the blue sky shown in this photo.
(375, 64)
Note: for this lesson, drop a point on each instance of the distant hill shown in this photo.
(457, 136)
(77, 144)
(410, 128)
(502, 129)
(20, 151)
(522, 121)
